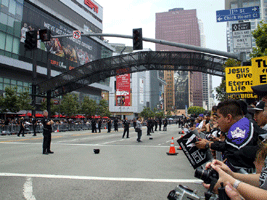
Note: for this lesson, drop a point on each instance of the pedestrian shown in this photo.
(22, 127)
(47, 130)
(34, 124)
(160, 123)
(99, 125)
(138, 129)
(116, 121)
(156, 124)
(109, 125)
(93, 122)
(165, 123)
(126, 125)
(148, 126)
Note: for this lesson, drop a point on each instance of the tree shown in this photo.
(102, 108)
(88, 106)
(260, 35)
(9, 101)
(54, 108)
(70, 105)
(221, 89)
(24, 100)
(195, 110)
(147, 112)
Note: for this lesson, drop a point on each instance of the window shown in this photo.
(15, 45)
(12, 7)
(9, 43)
(3, 21)
(2, 40)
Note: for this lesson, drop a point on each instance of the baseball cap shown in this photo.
(201, 115)
(260, 90)
(259, 106)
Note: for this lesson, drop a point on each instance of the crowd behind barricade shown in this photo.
(236, 135)
(13, 126)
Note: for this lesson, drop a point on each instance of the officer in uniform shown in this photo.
(126, 125)
(47, 130)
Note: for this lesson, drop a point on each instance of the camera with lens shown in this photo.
(182, 192)
(207, 175)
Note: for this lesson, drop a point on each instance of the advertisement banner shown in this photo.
(141, 91)
(66, 52)
(123, 90)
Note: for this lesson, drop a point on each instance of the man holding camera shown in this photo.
(240, 145)
(47, 130)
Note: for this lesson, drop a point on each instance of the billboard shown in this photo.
(123, 90)
(64, 53)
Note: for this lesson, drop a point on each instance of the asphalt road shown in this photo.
(124, 168)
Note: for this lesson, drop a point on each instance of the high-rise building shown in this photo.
(206, 78)
(232, 4)
(181, 26)
(61, 54)
(130, 93)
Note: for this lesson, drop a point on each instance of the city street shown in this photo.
(124, 168)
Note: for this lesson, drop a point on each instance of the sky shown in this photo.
(120, 17)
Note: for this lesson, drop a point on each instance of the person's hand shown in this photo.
(232, 193)
(201, 143)
(221, 165)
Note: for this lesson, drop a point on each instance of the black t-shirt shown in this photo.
(46, 127)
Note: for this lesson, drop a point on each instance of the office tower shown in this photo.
(180, 26)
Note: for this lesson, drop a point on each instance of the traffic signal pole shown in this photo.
(240, 56)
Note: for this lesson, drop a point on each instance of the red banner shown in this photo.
(123, 90)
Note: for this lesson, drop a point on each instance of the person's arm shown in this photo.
(252, 179)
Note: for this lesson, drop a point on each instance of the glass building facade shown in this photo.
(62, 54)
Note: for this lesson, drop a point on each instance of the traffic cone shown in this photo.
(172, 149)
(180, 148)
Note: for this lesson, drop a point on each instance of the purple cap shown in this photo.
(201, 115)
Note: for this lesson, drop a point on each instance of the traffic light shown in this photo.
(137, 39)
(31, 40)
(45, 35)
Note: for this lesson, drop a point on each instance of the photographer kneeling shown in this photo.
(249, 186)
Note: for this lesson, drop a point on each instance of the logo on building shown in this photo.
(91, 5)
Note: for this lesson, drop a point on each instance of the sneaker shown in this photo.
(50, 152)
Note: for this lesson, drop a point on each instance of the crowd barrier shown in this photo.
(63, 127)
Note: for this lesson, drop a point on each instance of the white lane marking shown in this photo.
(103, 178)
(27, 189)
(92, 145)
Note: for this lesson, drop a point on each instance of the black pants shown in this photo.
(139, 134)
(34, 129)
(99, 128)
(126, 130)
(21, 131)
(46, 142)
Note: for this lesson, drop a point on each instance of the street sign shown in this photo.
(238, 14)
(76, 34)
(242, 38)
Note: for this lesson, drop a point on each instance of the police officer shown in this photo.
(34, 123)
(47, 130)
(126, 125)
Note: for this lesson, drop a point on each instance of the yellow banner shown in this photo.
(259, 66)
(239, 79)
